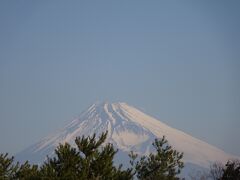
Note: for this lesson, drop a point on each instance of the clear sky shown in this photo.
(177, 60)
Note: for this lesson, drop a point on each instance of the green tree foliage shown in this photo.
(92, 159)
(11, 170)
(165, 164)
(7, 168)
(89, 161)
(28, 172)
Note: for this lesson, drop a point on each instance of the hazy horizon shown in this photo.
(178, 61)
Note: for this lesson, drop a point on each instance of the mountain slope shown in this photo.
(128, 129)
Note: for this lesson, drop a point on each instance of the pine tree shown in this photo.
(91, 160)
(165, 164)
(65, 165)
(28, 172)
(8, 169)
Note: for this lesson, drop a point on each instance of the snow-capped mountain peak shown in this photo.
(129, 129)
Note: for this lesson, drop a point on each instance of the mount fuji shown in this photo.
(129, 129)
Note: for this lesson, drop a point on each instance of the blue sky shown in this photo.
(177, 60)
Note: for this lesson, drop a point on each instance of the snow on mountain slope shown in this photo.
(128, 129)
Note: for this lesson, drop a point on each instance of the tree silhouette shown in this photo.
(88, 161)
(7, 168)
(94, 160)
(166, 163)
(231, 170)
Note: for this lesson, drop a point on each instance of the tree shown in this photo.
(65, 164)
(165, 164)
(90, 160)
(7, 168)
(216, 171)
(11, 170)
(27, 171)
(231, 170)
